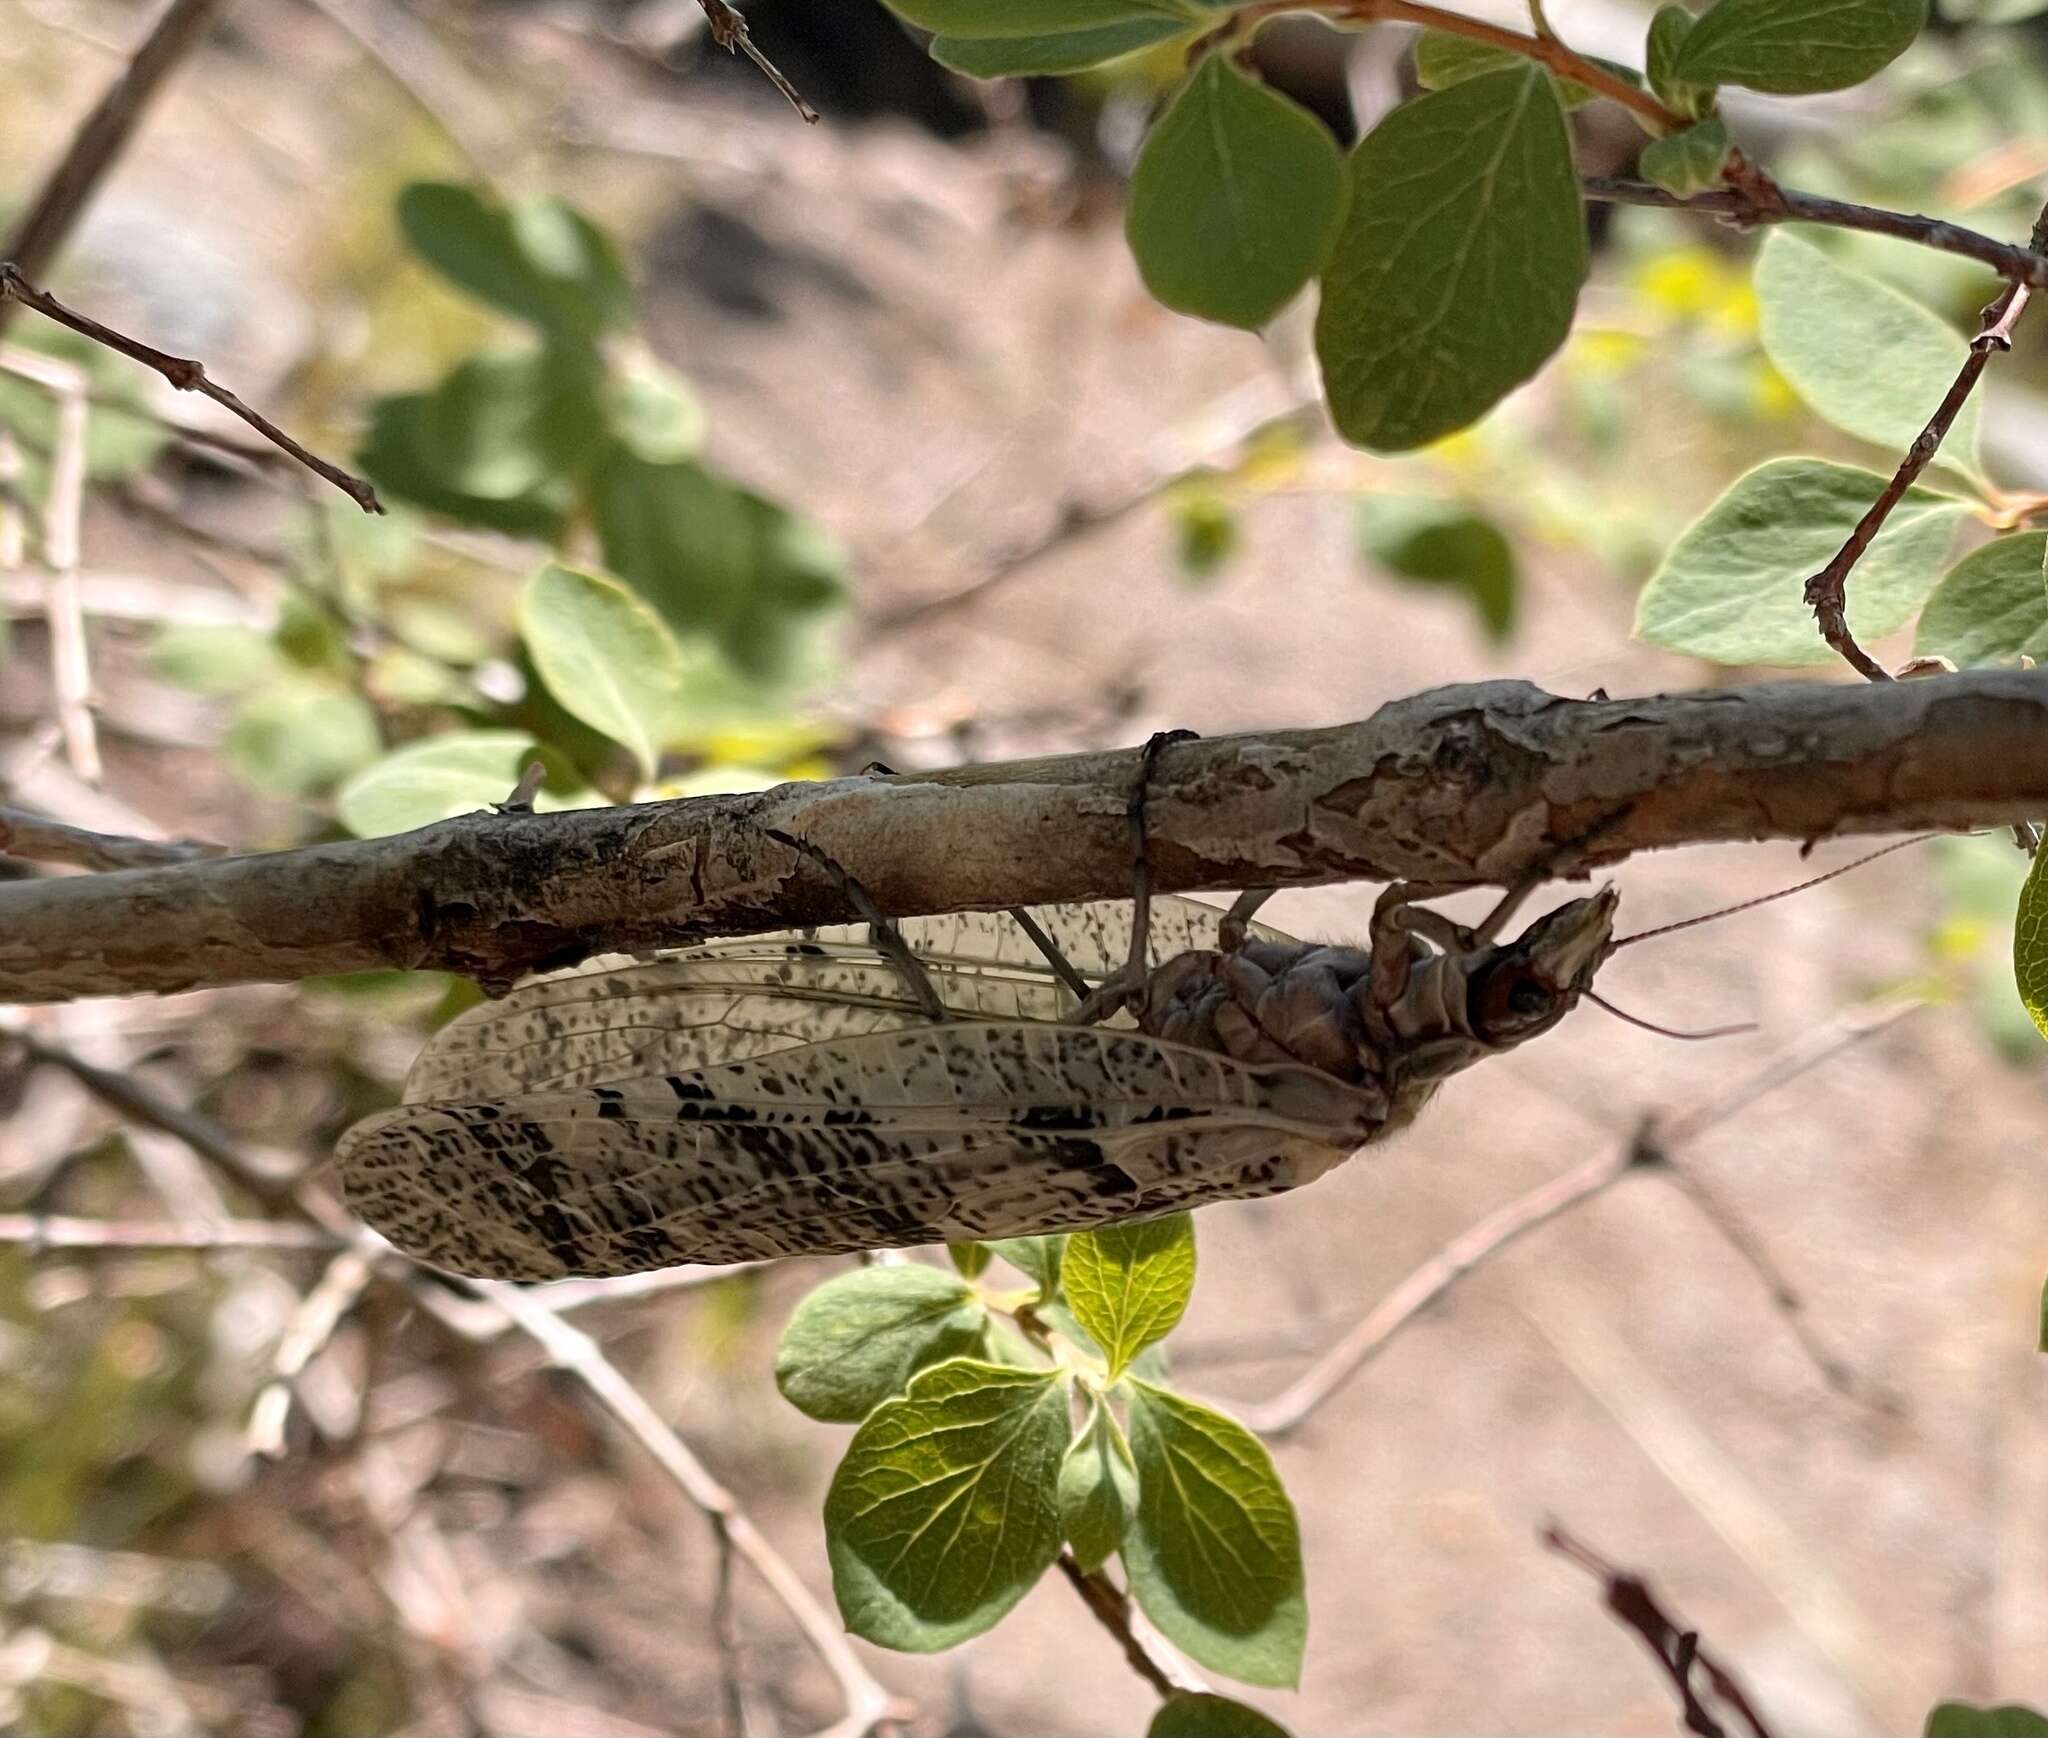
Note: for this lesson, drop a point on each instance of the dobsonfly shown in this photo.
(787, 1094)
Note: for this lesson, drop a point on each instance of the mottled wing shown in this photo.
(984, 1129)
(613, 1019)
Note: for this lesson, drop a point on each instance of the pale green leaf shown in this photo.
(945, 1509)
(213, 658)
(1235, 198)
(860, 1337)
(541, 260)
(1732, 588)
(654, 415)
(1961, 1720)
(1875, 363)
(299, 738)
(1689, 162)
(1442, 60)
(1037, 1258)
(1128, 1285)
(1098, 1490)
(1992, 604)
(1186, 1714)
(605, 656)
(1214, 1555)
(1458, 265)
(442, 777)
(1668, 31)
(2030, 943)
(1794, 47)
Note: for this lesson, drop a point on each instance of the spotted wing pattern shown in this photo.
(613, 1019)
(982, 1129)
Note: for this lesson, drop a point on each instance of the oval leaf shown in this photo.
(1235, 199)
(1098, 1490)
(1128, 1285)
(1668, 31)
(1825, 326)
(998, 18)
(1215, 1553)
(1442, 543)
(2030, 943)
(1458, 266)
(1992, 604)
(1038, 1258)
(1689, 162)
(541, 261)
(945, 1511)
(605, 656)
(1065, 51)
(299, 739)
(1732, 588)
(859, 1338)
(1792, 47)
(1961, 1720)
(1188, 1715)
(1442, 60)
(440, 778)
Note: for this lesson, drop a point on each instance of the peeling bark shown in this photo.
(1483, 783)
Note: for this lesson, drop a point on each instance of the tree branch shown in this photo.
(2020, 265)
(1479, 784)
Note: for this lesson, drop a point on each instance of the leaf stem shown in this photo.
(1545, 49)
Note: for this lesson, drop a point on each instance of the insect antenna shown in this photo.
(1766, 898)
(1601, 1001)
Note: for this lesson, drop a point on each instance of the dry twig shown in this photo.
(36, 839)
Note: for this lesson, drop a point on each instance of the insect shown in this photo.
(789, 1094)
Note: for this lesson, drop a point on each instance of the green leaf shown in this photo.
(210, 658)
(1458, 265)
(1960, 1720)
(1795, 47)
(1041, 56)
(1444, 544)
(1098, 1490)
(716, 559)
(654, 415)
(2043, 1343)
(945, 1509)
(1875, 363)
(541, 260)
(1188, 1715)
(860, 1337)
(1129, 1284)
(1235, 199)
(299, 738)
(1668, 31)
(1038, 1258)
(983, 18)
(1442, 60)
(502, 424)
(1688, 162)
(442, 777)
(2030, 943)
(1215, 1554)
(401, 459)
(970, 1259)
(606, 657)
(1732, 588)
(1992, 604)
(1206, 530)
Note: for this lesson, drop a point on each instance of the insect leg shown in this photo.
(1230, 933)
(1396, 920)
(881, 931)
(1127, 988)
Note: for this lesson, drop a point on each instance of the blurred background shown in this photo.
(891, 457)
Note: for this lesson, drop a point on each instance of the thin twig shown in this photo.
(1677, 1650)
(729, 31)
(62, 519)
(183, 373)
(39, 840)
(578, 1356)
(1647, 1150)
(39, 1231)
(1111, 1607)
(100, 138)
(1826, 591)
(319, 1315)
(2019, 265)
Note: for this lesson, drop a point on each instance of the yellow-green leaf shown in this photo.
(1128, 1285)
(2030, 943)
